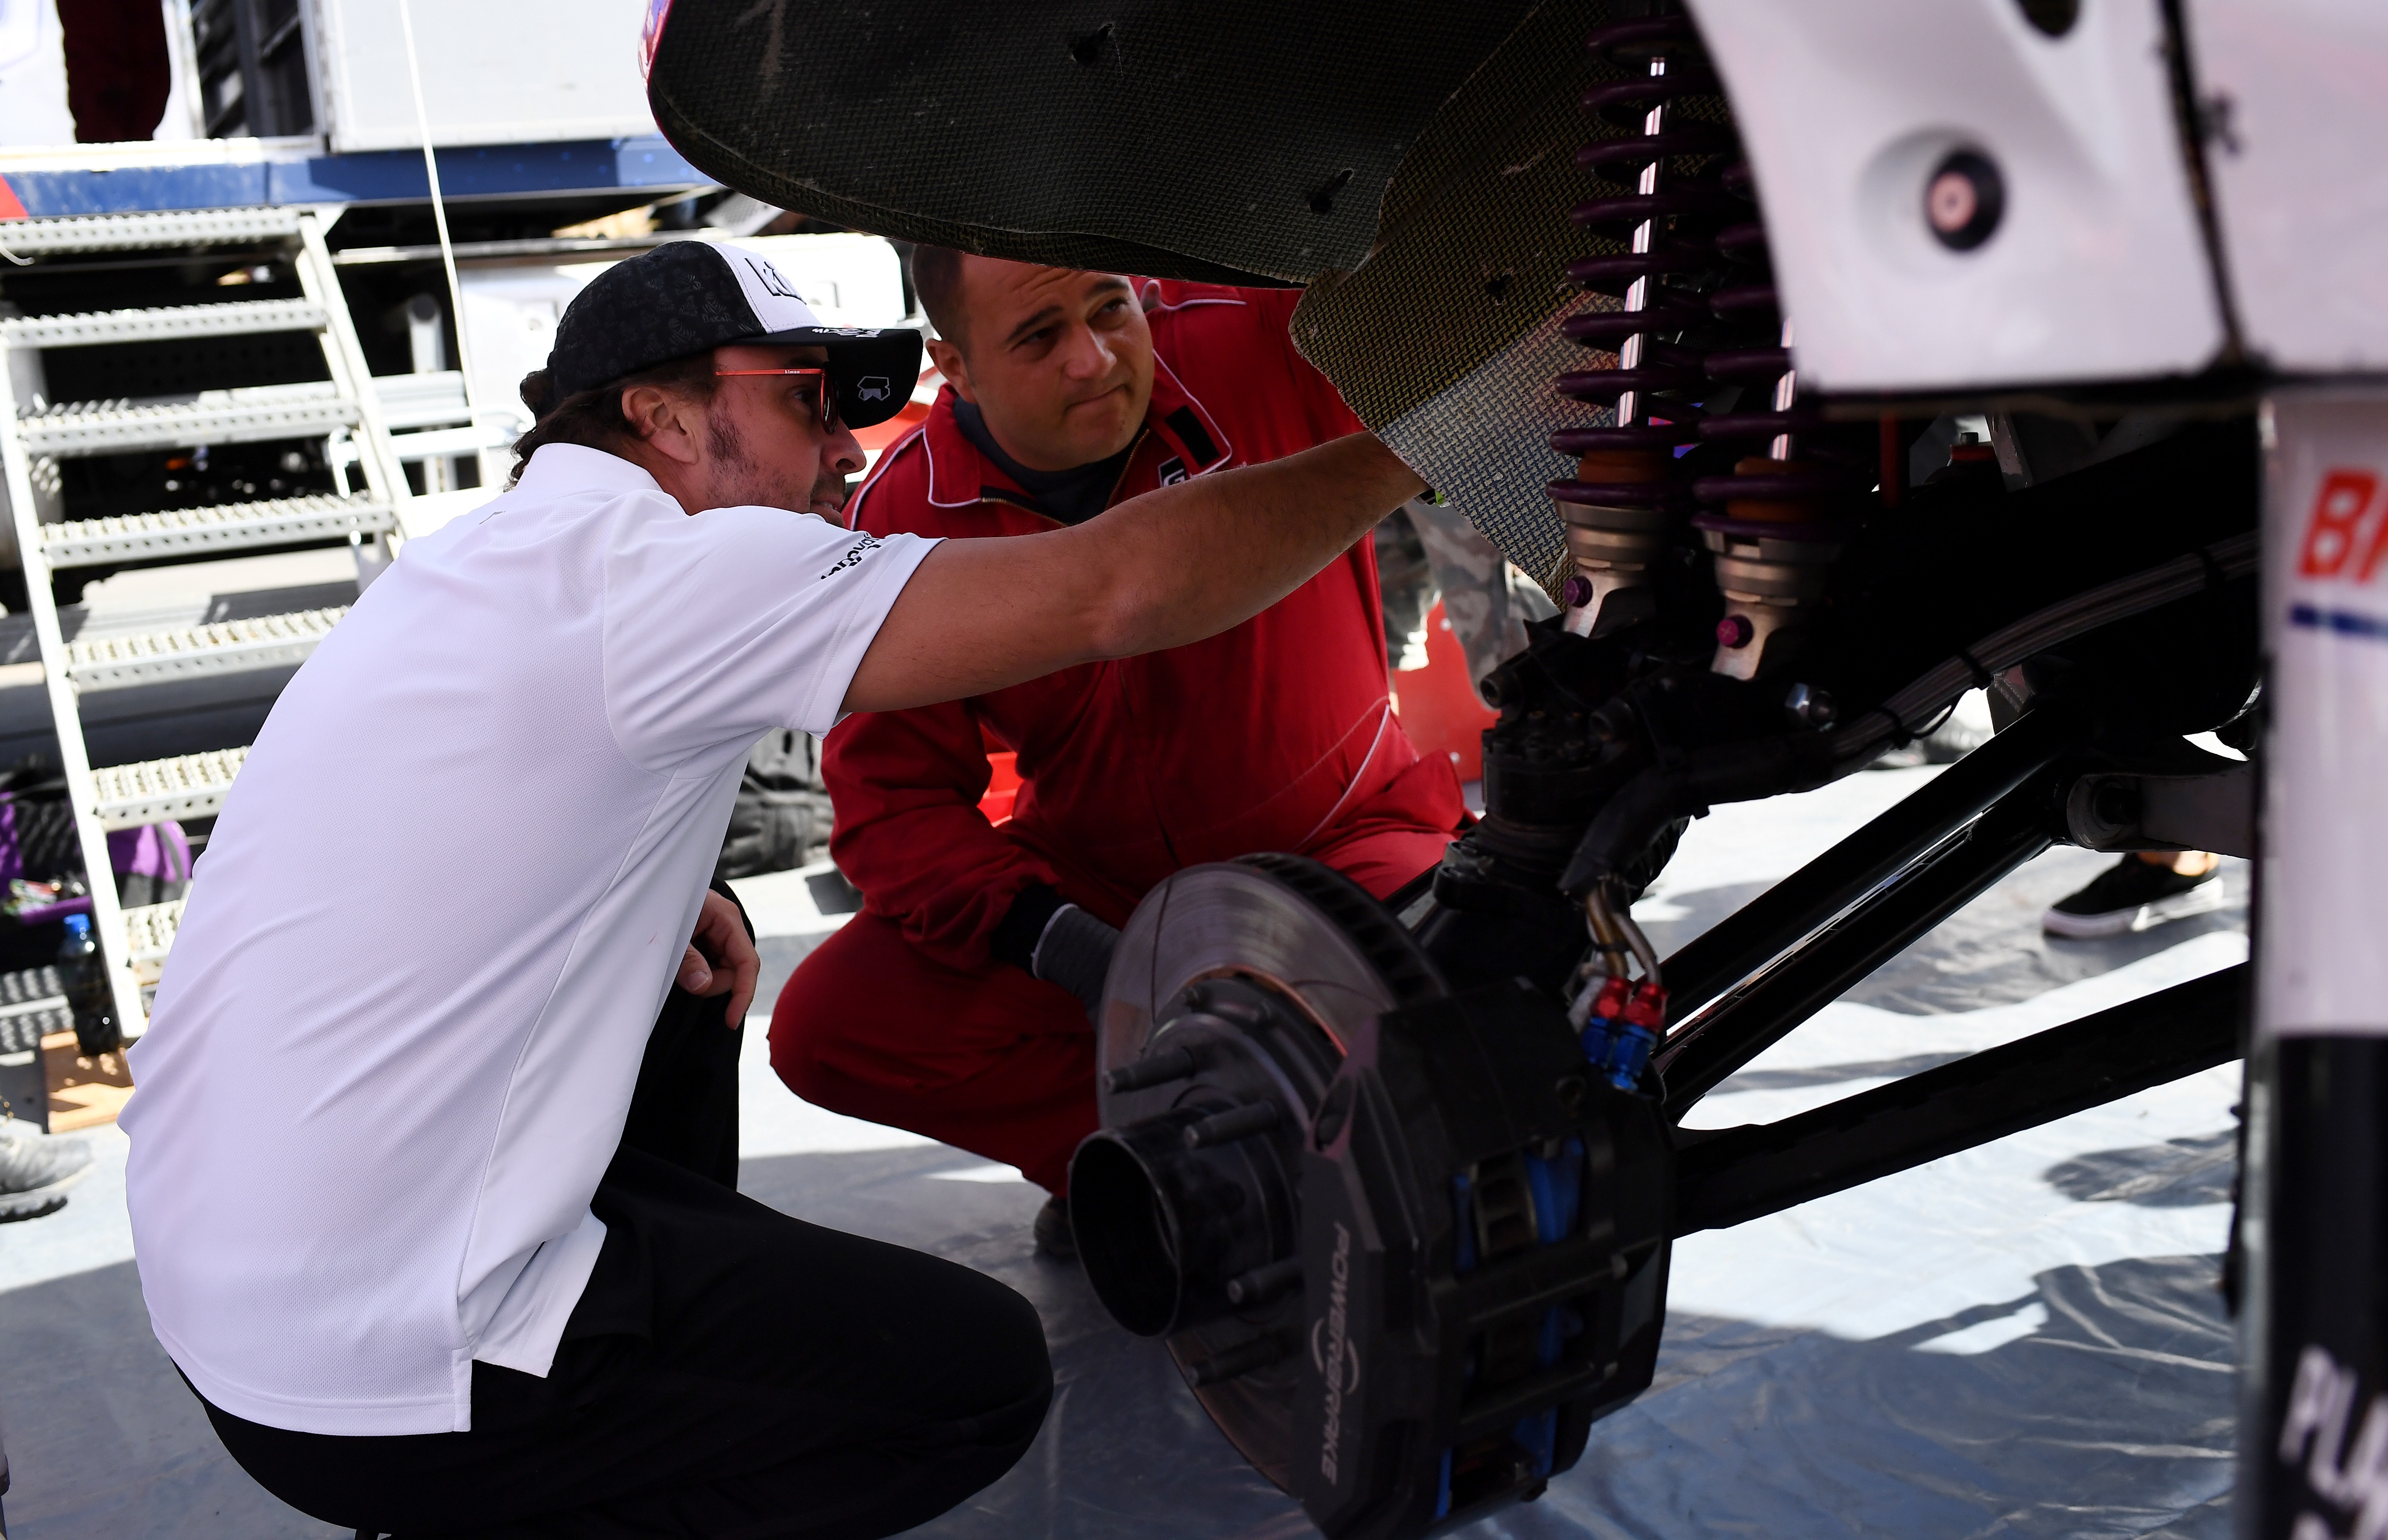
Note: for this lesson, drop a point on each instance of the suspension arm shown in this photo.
(1792, 909)
(1732, 1175)
(1754, 1017)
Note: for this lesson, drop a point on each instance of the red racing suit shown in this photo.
(1275, 736)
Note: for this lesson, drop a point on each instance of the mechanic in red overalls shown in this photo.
(958, 1003)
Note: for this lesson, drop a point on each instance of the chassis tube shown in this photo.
(1749, 1019)
(1731, 1176)
(1763, 929)
(2313, 1233)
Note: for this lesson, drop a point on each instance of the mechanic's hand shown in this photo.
(721, 958)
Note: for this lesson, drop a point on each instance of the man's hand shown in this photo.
(721, 958)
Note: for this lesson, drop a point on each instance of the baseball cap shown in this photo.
(692, 296)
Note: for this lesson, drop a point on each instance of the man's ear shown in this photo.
(951, 364)
(665, 420)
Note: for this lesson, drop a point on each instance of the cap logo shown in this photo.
(768, 276)
(872, 387)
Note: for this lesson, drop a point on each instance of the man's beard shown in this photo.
(738, 481)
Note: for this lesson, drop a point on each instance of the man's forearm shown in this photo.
(1189, 560)
(1170, 567)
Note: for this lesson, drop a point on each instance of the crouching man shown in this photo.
(433, 1158)
(957, 1004)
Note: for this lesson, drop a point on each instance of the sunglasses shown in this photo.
(824, 399)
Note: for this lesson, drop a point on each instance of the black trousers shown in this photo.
(729, 1372)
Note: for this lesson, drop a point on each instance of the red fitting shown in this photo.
(1647, 1008)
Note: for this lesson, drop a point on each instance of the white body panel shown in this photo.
(2324, 961)
(2298, 92)
(2097, 269)
(525, 71)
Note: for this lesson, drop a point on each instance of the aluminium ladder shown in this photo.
(343, 410)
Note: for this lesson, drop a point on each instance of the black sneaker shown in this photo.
(36, 1170)
(1054, 1237)
(2133, 895)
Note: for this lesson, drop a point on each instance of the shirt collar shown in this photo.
(557, 470)
(961, 476)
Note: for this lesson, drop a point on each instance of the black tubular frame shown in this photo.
(1731, 1176)
(1752, 1017)
(1821, 891)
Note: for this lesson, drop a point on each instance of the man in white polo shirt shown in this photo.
(432, 1161)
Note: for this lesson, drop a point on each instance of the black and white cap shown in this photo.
(692, 296)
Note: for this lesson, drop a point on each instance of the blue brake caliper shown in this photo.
(1557, 1187)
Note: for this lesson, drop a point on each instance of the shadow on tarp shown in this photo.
(2113, 1417)
(104, 1438)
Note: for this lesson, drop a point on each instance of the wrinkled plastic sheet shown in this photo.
(2024, 1339)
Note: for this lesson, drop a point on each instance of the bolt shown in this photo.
(1576, 592)
(1734, 631)
(1176, 1064)
(1264, 1283)
(1964, 200)
(1226, 1127)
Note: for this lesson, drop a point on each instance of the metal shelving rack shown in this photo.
(344, 410)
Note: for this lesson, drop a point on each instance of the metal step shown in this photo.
(150, 930)
(422, 400)
(234, 317)
(189, 786)
(193, 532)
(33, 1004)
(307, 410)
(128, 232)
(267, 641)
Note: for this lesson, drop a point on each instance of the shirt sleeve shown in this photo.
(909, 833)
(724, 625)
(1322, 404)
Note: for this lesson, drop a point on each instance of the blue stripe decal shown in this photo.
(377, 176)
(2345, 623)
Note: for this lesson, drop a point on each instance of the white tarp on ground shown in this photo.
(2024, 1339)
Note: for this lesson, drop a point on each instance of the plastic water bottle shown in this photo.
(79, 972)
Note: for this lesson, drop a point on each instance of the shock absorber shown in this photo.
(1628, 493)
(1775, 525)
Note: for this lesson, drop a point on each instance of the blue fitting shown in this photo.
(1628, 1055)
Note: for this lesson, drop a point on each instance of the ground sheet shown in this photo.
(2023, 1340)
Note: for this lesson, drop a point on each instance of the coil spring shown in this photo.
(1632, 465)
(1699, 266)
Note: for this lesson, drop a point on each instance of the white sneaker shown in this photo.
(36, 1170)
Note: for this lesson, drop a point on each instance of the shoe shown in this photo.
(2133, 895)
(1054, 1237)
(36, 1170)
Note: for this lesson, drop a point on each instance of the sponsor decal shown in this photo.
(1331, 1348)
(2346, 543)
(2312, 1433)
(2348, 515)
(872, 387)
(853, 556)
(1172, 471)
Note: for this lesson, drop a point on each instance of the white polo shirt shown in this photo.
(395, 1043)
